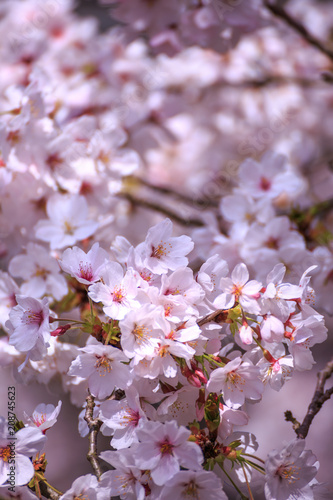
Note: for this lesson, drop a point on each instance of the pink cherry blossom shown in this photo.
(238, 288)
(117, 292)
(44, 416)
(164, 448)
(103, 367)
(85, 267)
(161, 251)
(237, 380)
(67, 223)
(289, 472)
(29, 327)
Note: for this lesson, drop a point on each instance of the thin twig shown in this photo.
(47, 491)
(280, 12)
(163, 210)
(194, 202)
(94, 427)
(319, 398)
(214, 316)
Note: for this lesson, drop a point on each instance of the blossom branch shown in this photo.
(94, 427)
(319, 398)
(280, 12)
(218, 316)
(163, 210)
(46, 489)
(202, 203)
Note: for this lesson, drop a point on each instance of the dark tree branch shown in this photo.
(218, 316)
(94, 427)
(163, 210)
(319, 398)
(281, 13)
(194, 202)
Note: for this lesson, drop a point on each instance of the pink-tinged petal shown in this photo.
(147, 456)
(24, 470)
(82, 366)
(226, 285)
(167, 467)
(277, 274)
(287, 291)
(123, 438)
(233, 397)
(270, 292)
(224, 301)
(245, 334)
(101, 386)
(235, 207)
(240, 274)
(252, 288)
(236, 417)
(4, 469)
(30, 441)
(189, 455)
(216, 380)
(23, 339)
(250, 305)
(85, 230)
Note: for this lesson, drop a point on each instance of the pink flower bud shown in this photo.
(60, 331)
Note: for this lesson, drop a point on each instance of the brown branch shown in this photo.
(94, 427)
(201, 203)
(319, 398)
(163, 210)
(281, 13)
(46, 491)
(218, 316)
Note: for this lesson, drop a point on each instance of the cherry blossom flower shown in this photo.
(164, 448)
(40, 272)
(196, 485)
(44, 416)
(67, 222)
(28, 441)
(161, 251)
(275, 366)
(141, 331)
(28, 326)
(8, 291)
(228, 418)
(122, 418)
(83, 487)
(118, 293)
(103, 367)
(269, 178)
(237, 380)
(127, 480)
(85, 267)
(238, 288)
(289, 472)
(276, 295)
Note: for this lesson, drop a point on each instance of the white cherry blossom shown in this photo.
(103, 367)
(289, 472)
(28, 326)
(239, 288)
(67, 223)
(85, 267)
(44, 416)
(237, 380)
(117, 292)
(164, 448)
(161, 251)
